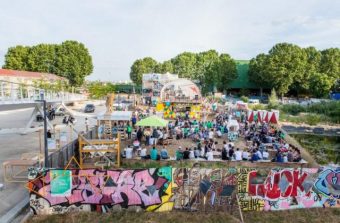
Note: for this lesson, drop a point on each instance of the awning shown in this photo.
(116, 116)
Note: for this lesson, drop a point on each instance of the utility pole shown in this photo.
(42, 99)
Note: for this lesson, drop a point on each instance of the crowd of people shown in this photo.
(262, 142)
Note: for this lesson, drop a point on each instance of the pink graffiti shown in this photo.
(128, 187)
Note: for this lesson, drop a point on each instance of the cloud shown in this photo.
(119, 32)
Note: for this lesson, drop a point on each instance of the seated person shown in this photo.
(254, 157)
(128, 152)
(196, 152)
(265, 155)
(164, 153)
(186, 154)
(136, 143)
(238, 155)
(143, 153)
(191, 154)
(209, 155)
(245, 155)
(154, 153)
(179, 154)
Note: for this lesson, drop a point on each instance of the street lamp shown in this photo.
(45, 126)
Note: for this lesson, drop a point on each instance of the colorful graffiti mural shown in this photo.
(102, 190)
(204, 189)
(194, 189)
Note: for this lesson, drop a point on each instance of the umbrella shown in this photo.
(153, 121)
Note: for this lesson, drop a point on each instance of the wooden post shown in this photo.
(239, 208)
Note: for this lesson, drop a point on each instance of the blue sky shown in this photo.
(119, 32)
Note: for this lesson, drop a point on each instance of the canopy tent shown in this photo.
(116, 116)
(263, 116)
(153, 121)
(274, 116)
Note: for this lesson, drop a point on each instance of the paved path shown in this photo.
(13, 145)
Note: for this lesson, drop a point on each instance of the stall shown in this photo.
(107, 121)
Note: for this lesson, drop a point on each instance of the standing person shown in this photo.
(133, 120)
(140, 134)
(147, 134)
(49, 134)
(87, 124)
(128, 130)
(238, 155)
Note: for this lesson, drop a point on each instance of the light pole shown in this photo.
(45, 127)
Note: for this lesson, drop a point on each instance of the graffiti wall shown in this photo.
(192, 189)
(97, 190)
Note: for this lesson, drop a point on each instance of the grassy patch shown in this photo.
(314, 215)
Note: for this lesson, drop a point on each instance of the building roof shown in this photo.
(29, 74)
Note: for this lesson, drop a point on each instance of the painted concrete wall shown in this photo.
(166, 188)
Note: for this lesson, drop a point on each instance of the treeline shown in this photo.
(69, 59)
(290, 68)
(286, 68)
(211, 69)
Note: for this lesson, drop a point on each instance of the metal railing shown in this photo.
(17, 93)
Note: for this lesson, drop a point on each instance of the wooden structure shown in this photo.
(95, 152)
(16, 170)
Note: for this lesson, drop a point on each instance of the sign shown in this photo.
(61, 183)
(51, 144)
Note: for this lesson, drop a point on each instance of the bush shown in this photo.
(312, 119)
(292, 109)
(257, 107)
(244, 98)
(273, 100)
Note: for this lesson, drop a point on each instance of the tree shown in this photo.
(73, 61)
(165, 67)
(16, 58)
(140, 67)
(273, 100)
(204, 61)
(330, 62)
(185, 65)
(227, 71)
(321, 84)
(286, 66)
(99, 90)
(42, 58)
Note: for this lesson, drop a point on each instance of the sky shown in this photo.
(119, 32)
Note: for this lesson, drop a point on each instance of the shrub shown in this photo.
(312, 119)
(273, 100)
(292, 109)
(244, 98)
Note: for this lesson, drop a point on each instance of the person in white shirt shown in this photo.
(245, 155)
(128, 153)
(210, 155)
(211, 134)
(143, 153)
(265, 155)
(238, 155)
(219, 133)
(191, 154)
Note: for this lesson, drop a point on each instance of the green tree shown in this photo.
(165, 67)
(273, 100)
(42, 58)
(70, 59)
(321, 84)
(73, 61)
(286, 66)
(185, 65)
(330, 62)
(140, 67)
(16, 58)
(204, 61)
